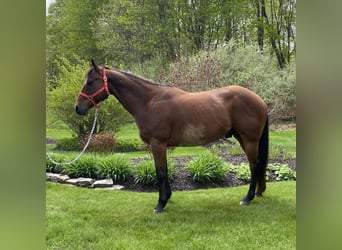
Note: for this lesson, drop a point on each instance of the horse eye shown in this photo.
(90, 82)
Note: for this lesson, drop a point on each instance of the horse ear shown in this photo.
(96, 67)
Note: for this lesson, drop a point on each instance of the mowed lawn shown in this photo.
(81, 218)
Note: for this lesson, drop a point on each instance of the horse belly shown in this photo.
(196, 135)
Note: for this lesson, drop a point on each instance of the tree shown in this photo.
(260, 19)
(124, 32)
(279, 25)
(69, 34)
(136, 31)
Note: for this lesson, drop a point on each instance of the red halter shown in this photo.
(104, 88)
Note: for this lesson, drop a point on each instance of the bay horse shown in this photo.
(169, 117)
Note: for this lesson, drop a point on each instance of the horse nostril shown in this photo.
(76, 108)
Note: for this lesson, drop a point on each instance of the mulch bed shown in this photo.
(182, 180)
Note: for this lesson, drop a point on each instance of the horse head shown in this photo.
(94, 90)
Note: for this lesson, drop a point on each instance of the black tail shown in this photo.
(263, 153)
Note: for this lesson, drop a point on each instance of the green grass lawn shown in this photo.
(80, 218)
(58, 133)
(285, 139)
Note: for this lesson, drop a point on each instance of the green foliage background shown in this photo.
(193, 45)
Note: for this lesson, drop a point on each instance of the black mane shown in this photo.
(131, 75)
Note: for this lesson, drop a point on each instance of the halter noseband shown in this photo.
(104, 88)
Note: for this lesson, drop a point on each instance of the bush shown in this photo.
(230, 64)
(115, 167)
(282, 171)
(207, 167)
(68, 144)
(129, 145)
(145, 172)
(101, 142)
(86, 167)
(243, 172)
(285, 173)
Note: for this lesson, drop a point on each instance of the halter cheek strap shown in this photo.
(104, 88)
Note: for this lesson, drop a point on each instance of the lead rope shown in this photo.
(85, 146)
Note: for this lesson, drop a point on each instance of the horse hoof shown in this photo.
(158, 210)
(244, 203)
(258, 195)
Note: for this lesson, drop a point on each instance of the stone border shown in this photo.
(83, 182)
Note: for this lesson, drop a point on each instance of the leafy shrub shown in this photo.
(230, 64)
(115, 167)
(101, 142)
(145, 172)
(129, 145)
(243, 172)
(283, 171)
(231, 168)
(86, 167)
(207, 167)
(68, 144)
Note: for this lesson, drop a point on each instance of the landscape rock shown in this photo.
(118, 187)
(81, 182)
(62, 178)
(103, 183)
(114, 187)
(57, 177)
(51, 176)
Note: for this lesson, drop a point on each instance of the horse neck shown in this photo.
(133, 93)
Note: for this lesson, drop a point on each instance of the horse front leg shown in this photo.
(160, 160)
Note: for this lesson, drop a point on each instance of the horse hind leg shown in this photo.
(262, 160)
(251, 150)
(257, 154)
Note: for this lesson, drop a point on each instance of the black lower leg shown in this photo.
(251, 191)
(261, 182)
(164, 190)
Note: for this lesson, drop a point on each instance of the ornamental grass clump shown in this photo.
(52, 167)
(115, 167)
(145, 172)
(85, 167)
(207, 167)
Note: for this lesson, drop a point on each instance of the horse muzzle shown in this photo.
(81, 111)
